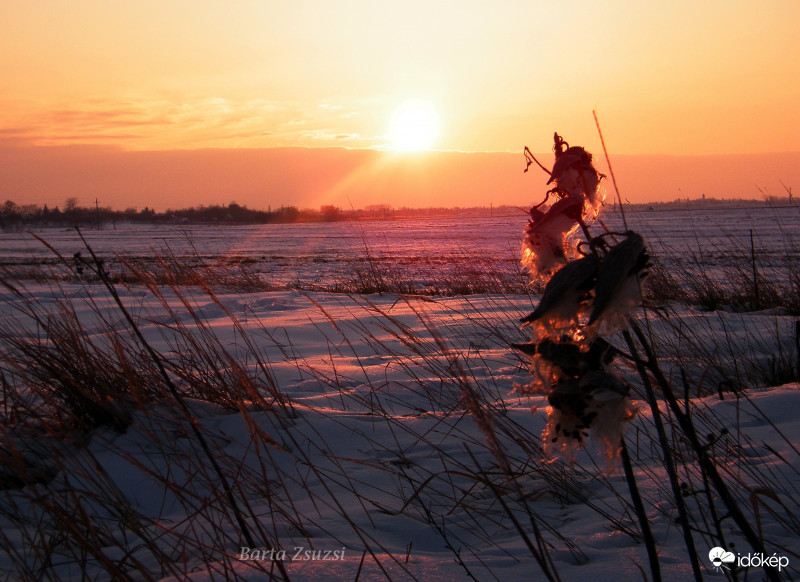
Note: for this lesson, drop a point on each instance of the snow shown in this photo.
(421, 250)
(382, 454)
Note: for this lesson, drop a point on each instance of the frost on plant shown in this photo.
(593, 287)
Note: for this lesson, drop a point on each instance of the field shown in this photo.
(341, 401)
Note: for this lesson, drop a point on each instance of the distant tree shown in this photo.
(288, 214)
(9, 215)
(330, 213)
(70, 204)
(30, 210)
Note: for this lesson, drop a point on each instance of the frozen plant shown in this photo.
(565, 296)
(545, 246)
(593, 288)
(618, 289)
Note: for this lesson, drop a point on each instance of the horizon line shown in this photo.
(376, 149)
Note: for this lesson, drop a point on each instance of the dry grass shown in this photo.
(72, 380)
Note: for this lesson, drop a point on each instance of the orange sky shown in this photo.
(677, 78)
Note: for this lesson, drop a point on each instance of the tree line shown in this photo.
(13, 215)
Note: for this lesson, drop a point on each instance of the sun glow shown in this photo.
(414, 126)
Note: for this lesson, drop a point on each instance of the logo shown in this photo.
(719, 557)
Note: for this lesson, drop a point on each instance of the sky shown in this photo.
(717, 78)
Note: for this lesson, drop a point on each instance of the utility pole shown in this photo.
(97, 212)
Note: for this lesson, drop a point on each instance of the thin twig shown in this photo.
(611, 170)
(531, 158)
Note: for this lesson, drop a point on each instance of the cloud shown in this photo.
(212, 122)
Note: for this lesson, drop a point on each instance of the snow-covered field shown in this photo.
(373, 437)
(421, 251)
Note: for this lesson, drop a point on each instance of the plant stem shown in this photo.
(638, 505)
(687, 426)
(755, 269)
(669, 465)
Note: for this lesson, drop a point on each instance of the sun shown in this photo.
(414, 126)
